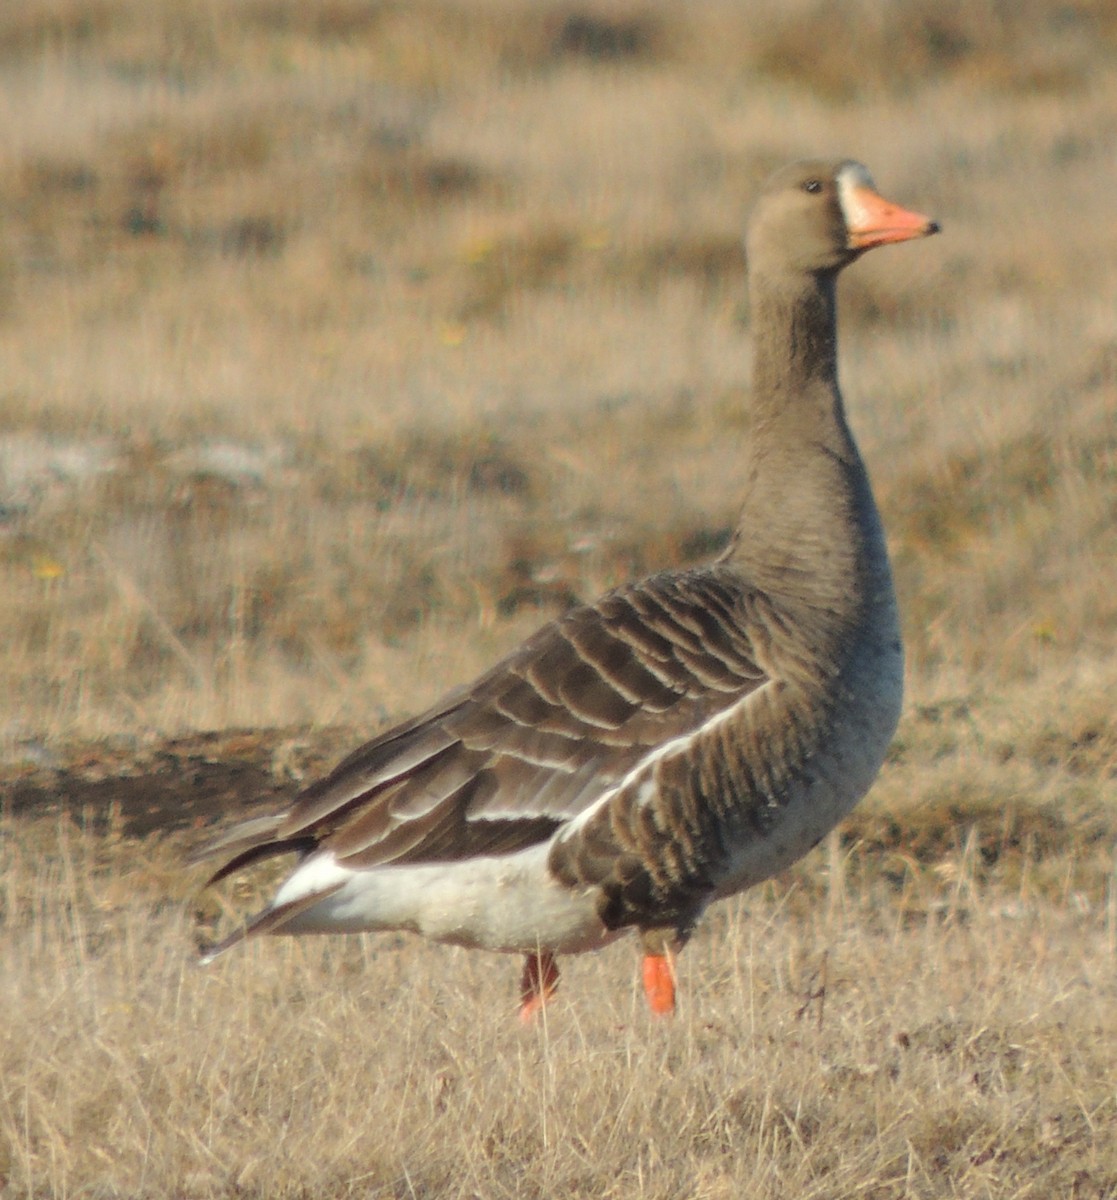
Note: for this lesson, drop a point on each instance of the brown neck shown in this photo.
(809, 530)
(794, 350)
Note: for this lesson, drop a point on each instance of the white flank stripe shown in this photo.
(647, 792)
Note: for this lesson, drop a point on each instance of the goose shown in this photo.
(680, 739)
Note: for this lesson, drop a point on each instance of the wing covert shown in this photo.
(500, 764)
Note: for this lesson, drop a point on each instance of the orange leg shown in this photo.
(537, 984)
(659, 983)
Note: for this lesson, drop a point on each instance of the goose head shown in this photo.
(816, 217)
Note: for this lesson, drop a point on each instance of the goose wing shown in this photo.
(500, 764)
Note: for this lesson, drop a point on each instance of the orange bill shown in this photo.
(873, 221)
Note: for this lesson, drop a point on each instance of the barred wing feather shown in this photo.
(501, 764)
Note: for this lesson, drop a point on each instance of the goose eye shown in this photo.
(814, 186)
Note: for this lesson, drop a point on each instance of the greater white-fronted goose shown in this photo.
(680, 739)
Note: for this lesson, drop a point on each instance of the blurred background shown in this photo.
(344, 342)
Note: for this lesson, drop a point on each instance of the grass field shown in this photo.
(344, 343)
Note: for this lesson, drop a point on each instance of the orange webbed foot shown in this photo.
(538, 984)
(659, 983)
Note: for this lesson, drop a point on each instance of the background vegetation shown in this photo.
(343, 343)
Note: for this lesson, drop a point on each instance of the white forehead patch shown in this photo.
(851, 178)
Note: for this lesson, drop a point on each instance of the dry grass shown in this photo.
(332, 331)
(899, 1021)
(345, 342)
(317, 340)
